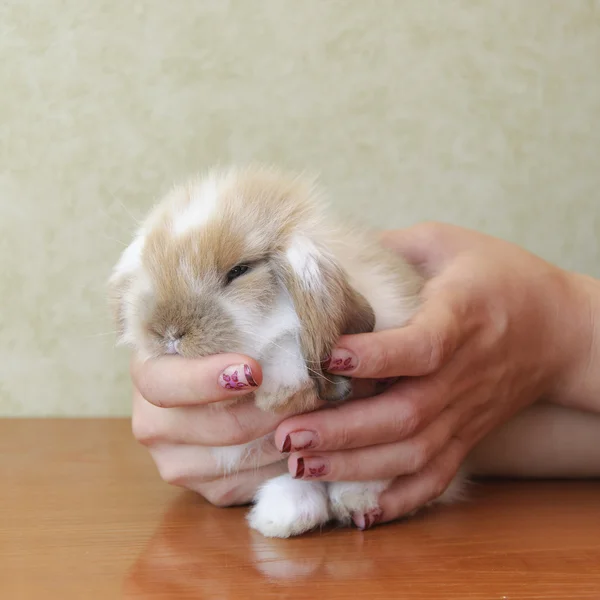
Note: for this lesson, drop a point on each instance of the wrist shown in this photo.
(577, 336)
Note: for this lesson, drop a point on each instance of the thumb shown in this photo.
(418, 349)
(427, 246)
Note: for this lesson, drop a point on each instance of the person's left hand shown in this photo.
(498, 329)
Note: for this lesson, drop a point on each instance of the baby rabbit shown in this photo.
(248, 260)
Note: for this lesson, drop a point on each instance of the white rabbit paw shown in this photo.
(356, 501)
(286, 507)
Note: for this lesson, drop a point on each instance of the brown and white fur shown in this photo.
(309, 280)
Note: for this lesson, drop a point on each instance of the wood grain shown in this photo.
(83, 515)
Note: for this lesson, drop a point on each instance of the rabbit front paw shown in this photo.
(286, 507)
(356, 501)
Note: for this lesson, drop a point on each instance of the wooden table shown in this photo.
(84, 515)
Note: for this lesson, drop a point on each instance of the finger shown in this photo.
(220, 424)
(411, 492)
(181, 464)
(383, 461)
(395, 414)
(419, 348)
(237, 489)
(174, 381)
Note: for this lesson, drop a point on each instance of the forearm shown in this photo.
(580, 386)
(542, 441)
(557, 437)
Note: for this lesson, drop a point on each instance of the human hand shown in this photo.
(499, 328)
(180, 411)
(182, 408)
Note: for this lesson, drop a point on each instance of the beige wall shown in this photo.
(485, 114)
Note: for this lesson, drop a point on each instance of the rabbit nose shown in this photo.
(173, 346)
(173, 342)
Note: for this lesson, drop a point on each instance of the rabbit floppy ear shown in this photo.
(359, 318)
(120, 282)
(327, 307)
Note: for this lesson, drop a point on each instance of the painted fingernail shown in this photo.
(299, 469)
(237, 377)
(342, 360)
(325, 363)
(310, 468)
(364, 521)
(299, 440)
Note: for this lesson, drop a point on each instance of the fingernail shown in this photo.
(310, 468)
(299, 469)
(325, 363)
(237, 377)
(367, 520)
(299, 440)
(342, 360)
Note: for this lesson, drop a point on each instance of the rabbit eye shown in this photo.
(153, 330)
(236, 272)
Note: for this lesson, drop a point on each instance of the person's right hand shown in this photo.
(179, 413)
(182, 408)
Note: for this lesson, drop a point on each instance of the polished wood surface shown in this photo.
(83, 515)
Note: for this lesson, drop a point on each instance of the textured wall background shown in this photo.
(485, 114)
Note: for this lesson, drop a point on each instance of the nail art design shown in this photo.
(316, 471)
(299, 440)
(237, 377)
(367, 520)
(342, 360)
(309, 468)
(249, 378)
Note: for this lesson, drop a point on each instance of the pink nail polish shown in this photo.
(367, 520)
(237, 377)
(299, 469)
(342, 360)
(311, 468)
(301, 440)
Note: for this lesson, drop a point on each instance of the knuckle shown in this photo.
(146, 431)
(409, 419)
(403, 507)
(439, 483)
(222, 494)
(235, 438)
(418, 456)
(171, 472)
(430, 231)
(379, 360)
(435, 351)
(235, 432)
(342, 439)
